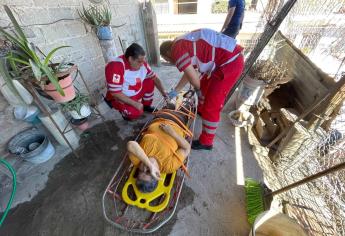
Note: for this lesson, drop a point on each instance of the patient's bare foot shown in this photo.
(167, 129)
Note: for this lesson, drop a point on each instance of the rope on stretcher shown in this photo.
(184, 127)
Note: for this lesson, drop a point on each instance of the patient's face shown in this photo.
(144, 171)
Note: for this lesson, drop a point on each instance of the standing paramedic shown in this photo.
(220, 62)
(234, 18)
(130, 83)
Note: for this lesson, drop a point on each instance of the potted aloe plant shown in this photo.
(100, 18)
(29, 63)
(79, 107)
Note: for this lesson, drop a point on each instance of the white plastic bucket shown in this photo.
(273, 223)
(250, 92)
(61, 121)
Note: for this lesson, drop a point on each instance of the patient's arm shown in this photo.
(134, 148)
(182, 143)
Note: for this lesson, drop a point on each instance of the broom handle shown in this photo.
(308, 179)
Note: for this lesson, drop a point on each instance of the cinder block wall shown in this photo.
(52, 23)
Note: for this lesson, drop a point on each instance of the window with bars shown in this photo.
(187, 6)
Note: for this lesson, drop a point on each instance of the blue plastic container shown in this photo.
(104, 33)
(27, 113)
(33, 119)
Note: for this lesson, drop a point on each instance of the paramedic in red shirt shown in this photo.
(130, 83)
(219, 61)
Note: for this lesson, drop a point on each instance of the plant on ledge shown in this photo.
(99, 17)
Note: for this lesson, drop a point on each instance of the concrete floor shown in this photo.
(66, 198)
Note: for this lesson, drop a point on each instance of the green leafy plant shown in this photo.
(76, 103)
(24, 57)
(95, 16)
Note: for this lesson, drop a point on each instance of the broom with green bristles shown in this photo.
(255, 199)
(259, 196)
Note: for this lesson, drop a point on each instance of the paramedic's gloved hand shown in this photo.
(166, 96)
(199, 94)
(172, 94)
(154, 171)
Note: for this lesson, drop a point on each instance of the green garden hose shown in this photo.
(14, 185)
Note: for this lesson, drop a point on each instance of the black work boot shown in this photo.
(196, 145)
(149, 109)
(126, 118)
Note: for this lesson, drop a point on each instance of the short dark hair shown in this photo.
(134, 50)
(165, 47)
(146, 186)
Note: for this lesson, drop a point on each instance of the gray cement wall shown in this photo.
(52, 23)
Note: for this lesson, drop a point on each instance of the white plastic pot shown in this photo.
(250, 92)
(62, 123)
(85, 111)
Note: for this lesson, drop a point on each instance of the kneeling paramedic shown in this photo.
(130, 83)
(220, 62)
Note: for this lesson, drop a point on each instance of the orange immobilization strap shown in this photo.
(191, 115)
(172, 123)
(189, 133)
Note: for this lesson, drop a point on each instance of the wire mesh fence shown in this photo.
(319, 206)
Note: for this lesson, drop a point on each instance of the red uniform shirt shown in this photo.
(122, 78)
(205, 49)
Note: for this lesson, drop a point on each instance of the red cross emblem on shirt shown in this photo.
(137, 85)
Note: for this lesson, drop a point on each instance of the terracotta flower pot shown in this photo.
(66, 85)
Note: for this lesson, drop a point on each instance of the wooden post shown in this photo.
(148, 16)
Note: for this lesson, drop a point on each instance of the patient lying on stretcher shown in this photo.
(162, 149)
